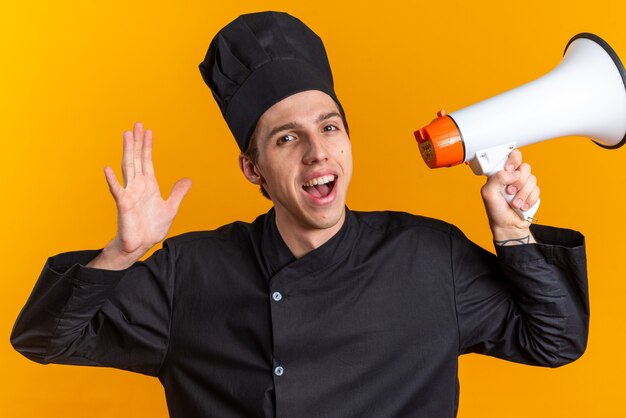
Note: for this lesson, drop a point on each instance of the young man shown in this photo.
(312, 310)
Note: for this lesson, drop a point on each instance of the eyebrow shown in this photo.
(285, 127)
(296, 125)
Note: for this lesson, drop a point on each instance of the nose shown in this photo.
(316, 149)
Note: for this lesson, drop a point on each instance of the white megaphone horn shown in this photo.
(585, 95)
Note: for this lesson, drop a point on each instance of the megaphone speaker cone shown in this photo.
(617, 65)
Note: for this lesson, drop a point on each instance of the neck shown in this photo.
(302, 239)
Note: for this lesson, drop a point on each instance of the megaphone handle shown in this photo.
(528, 215)
(488, 162)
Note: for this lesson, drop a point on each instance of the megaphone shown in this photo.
(585, 95)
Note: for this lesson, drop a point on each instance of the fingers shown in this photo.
(138, 147)
(524, 188)
(514, 160)
(128, 168)
(532, 199)
(495, 183)
(511, 174)
(114, 185)
(522, 175)
(518, 181)
(146, 155)
(137, 155)
(178, 192)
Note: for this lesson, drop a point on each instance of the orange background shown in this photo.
(75, 74)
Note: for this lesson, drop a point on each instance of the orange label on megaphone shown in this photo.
(440, 142)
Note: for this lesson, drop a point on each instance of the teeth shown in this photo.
(319, 180)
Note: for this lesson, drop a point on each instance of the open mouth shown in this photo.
(320, 187)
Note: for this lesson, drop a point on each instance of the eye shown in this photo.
(285, 139)
(330, 128)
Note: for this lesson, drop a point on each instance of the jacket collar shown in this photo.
(277, 255)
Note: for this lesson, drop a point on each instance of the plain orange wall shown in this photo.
(75, 74)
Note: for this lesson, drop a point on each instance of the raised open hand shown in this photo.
(143, 217)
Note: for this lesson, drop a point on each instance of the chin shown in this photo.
(328, 221)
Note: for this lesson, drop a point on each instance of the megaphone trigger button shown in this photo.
(441, 113)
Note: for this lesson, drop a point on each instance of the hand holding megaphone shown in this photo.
(585, 95)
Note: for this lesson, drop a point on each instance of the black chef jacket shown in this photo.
(370, 324)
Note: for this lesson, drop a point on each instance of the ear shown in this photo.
(250, 170)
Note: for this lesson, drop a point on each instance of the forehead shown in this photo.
(301, 108)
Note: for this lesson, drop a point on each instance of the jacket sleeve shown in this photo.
(531, 305)
(85, 316)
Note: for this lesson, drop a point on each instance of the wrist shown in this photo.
(512, 236)
(114, 258)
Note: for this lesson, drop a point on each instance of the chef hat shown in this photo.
(259, 59)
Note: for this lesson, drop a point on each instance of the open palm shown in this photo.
(143, 216)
